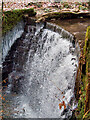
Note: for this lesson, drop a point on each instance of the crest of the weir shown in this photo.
(44, 61)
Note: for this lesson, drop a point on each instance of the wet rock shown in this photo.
(15, 80)
(31, 21)
(73, 59)
(64, 112)
(26, 28)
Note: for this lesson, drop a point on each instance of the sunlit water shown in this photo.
(49, 70)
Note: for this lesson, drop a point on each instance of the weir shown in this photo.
(10, 37)
(41, 68)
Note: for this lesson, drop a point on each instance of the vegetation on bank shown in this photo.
(10, 18)
(83, 110)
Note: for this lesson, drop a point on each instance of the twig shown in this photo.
(85, 114)
(61, 93)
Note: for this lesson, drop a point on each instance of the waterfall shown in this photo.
(11, 37)
(47, 77)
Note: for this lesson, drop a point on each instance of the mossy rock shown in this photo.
(82, 108)
(11, 18)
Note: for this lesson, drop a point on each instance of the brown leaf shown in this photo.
(62, 104)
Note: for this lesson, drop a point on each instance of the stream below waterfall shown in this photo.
(41, 68)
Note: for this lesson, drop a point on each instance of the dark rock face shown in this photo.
(18, 53)
(10, 59)
(14, 78)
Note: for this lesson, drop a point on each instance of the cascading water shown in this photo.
(47, 76)
(10, 38)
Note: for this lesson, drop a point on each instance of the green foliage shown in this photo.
(39, 5)
(66, 5)
(11, 18)
(79, 3)
(84, 78)
(87, 42)
(47, 10)
(88, 32)
(82, 7)
(81, 104)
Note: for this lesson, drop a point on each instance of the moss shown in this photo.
(87, 38)
(81, 104)
(84, 77)
(11, 18)
(87, 51)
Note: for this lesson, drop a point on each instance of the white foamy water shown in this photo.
(51, 71)
(10, 37)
